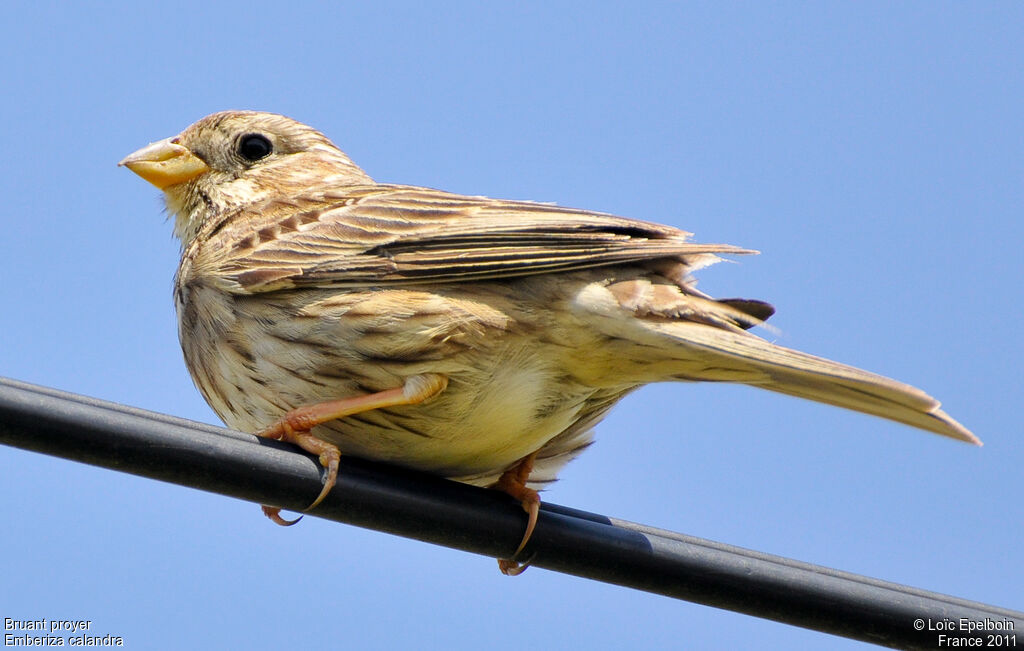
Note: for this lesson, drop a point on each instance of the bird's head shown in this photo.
(236, 158)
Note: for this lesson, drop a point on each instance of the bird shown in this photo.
(473, 338)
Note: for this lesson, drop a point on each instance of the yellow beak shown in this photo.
(165, 163)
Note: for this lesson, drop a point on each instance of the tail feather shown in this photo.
(762, 364)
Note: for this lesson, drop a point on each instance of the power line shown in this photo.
(486, 522)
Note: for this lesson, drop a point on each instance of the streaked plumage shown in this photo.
(303, 281)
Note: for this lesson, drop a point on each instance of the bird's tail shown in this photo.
(713, 354)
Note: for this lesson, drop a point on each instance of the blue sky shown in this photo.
(871, 151)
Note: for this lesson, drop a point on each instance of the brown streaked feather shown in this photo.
(371, 235)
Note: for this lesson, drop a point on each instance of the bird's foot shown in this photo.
(513, 481)
(296, 426)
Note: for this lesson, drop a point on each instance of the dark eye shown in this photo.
(254, 146)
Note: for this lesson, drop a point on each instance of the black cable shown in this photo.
(486, 522)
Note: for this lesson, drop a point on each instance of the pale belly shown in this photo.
(507, 396)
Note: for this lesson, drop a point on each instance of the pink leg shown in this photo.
(295, 426)
(513, 482)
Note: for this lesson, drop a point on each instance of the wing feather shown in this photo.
(374, 235)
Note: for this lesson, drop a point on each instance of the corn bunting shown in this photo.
(474, 338)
